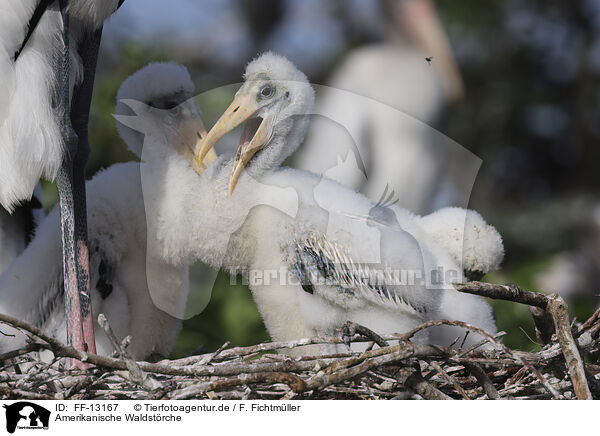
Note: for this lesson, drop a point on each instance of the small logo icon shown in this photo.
(26, 415)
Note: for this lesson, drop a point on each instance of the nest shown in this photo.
(404, 370)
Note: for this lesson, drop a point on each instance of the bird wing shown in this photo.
(328, 269)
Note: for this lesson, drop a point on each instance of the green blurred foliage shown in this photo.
(231, 315)
(106, 145)
(515, 319)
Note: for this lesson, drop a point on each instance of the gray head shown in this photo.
(274, 103)
(157, 101)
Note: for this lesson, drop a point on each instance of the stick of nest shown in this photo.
(557, 308)
(398, 369)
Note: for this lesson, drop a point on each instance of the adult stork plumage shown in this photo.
(401, 152)
(318, 268)
(49, 52)
(141, 293)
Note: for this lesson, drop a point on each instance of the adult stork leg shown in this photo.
(74, 237)
(80, 114)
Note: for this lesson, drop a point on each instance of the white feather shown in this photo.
(465, 235)
(31, 144)
(163, 76)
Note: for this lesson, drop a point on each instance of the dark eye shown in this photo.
(267, 91)
(164, 104)
(170, 105)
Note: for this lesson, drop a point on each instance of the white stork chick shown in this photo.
(323, 258)
(140, 293)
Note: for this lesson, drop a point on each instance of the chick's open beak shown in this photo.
(256, 133)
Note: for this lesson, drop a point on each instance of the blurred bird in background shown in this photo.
(405, 156)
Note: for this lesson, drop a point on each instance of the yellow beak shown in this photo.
(240, 109)
(209, 157)
(256, 133)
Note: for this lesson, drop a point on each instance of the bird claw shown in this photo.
(348, 332)
(351, 328)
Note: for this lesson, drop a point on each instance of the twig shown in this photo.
(351, 328)
(412, 379)
(295, 383)
(559, 310)
(480, 344)
(268, 346)
(544, 325)
(590, 322)
(31, 329)
(510, 292)
(19, 352)
(450, 380)
(136, 374)
(516, 377)
(21, 394)
(483, 380)
(529, 337)
(396, 353)
(504, 348)
(462, 344)
(375, 374)
(557, 307)
(211, 357)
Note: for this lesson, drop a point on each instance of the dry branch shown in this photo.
(412, 379)
(450, 380)
(509, 292)
(483, 379)
(135, 372)
(385, 372)
(560, 313)
(558, 309)
(544, 324)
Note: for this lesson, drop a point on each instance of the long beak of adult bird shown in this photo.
(422, 24)
(247, 106)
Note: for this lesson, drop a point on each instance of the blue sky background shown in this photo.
(310, 34)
